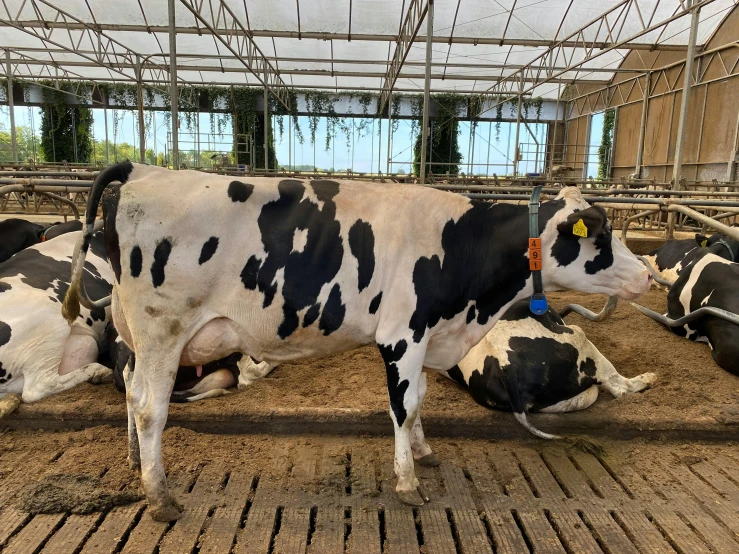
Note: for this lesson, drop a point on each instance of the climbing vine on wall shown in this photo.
(606, 143)
(442, 152)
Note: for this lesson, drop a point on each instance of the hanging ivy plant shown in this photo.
(606, 143)
(498, 121)
(66, 129)
(396, 112)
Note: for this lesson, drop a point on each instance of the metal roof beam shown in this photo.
(417, 10)
(496, 41)
(239, 42)
(540, 70)
(328, 73)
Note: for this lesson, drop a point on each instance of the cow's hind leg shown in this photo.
(403, 365)
(615, 383)
(151, 387)
(134, 454)
(421, 450)
(45, 383)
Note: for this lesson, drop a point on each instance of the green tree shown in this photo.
(66, 133)
(27, 144)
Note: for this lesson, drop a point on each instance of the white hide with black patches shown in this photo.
(396, 265)
(31, 285)
(538, 363)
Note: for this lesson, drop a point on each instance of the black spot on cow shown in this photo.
(4, 375)
(362, 246)
(566, 249)
(111, 198)
(161, 257)
(587, 367)
(396, 388)
(16, 235)
(5, 333)
(604, 258)
(333, 312)
(4, 286)
(88, 321)
(471, 315)
(486, 242)
(239, 192)
(311, 315)
(250, 272)
(305, 272)
(209, 248)
(49, 274)
(97, 314)
(137, 261)
(375, 304)
(488, 388)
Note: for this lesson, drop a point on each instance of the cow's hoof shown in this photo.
(429, 460)
(172, 511)
(411, 498)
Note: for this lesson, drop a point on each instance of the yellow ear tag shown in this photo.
(704, 243)
(579, 229)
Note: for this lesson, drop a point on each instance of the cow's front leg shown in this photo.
(134, 454)
(151, 387)
(421, 450)
(403, 363)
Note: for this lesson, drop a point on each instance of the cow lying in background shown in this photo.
(39, 354)
(539, 364)
(710, 281)
(191, 383)
(675, 255)
(17, 234)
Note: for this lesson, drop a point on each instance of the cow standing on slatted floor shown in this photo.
(281, 269)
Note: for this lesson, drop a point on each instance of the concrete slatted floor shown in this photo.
(334, 495)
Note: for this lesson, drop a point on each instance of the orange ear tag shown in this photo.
(535, 254)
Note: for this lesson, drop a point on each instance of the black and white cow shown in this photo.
(17, 234)
(39, 354)
(191, 382)
(711, 280)
(539, 363)
(673, 256)
(282, 269)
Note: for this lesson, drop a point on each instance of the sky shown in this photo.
(363, 155)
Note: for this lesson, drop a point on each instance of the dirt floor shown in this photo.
(691, 389)
(318, 495)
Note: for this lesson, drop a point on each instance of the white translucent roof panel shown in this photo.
(531, 20)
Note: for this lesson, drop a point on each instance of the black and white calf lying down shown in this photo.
(39, 354)
(538, 363)
(282, 269)
(710, 281)
(17, 234)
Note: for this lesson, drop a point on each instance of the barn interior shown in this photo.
(636, 102)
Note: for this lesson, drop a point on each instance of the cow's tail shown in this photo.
(517, 405)
(76, 294)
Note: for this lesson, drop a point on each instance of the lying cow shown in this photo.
(17, 234)
(710, 281)
(191, 383)
(538, 363)
(673, 256)
(39, 354)
(282, 269)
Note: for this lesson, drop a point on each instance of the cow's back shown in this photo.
(17, 234)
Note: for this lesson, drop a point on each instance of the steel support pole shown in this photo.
(174, 98)
(643, 126)
(515, 144)
(389, 131)
(684, 102)
(379, 146)
(107, 142)
(731, 167)
(266, 123)
(426, 90)
(140, 100)
(11, 107)
(552, 145)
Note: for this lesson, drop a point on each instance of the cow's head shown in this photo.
(581, 253)
(721, 245)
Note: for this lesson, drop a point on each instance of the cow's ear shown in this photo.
(590, 223)
(702, 240)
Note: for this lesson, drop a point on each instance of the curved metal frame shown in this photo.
(692, 316)
(656, 276)
(604, 314)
